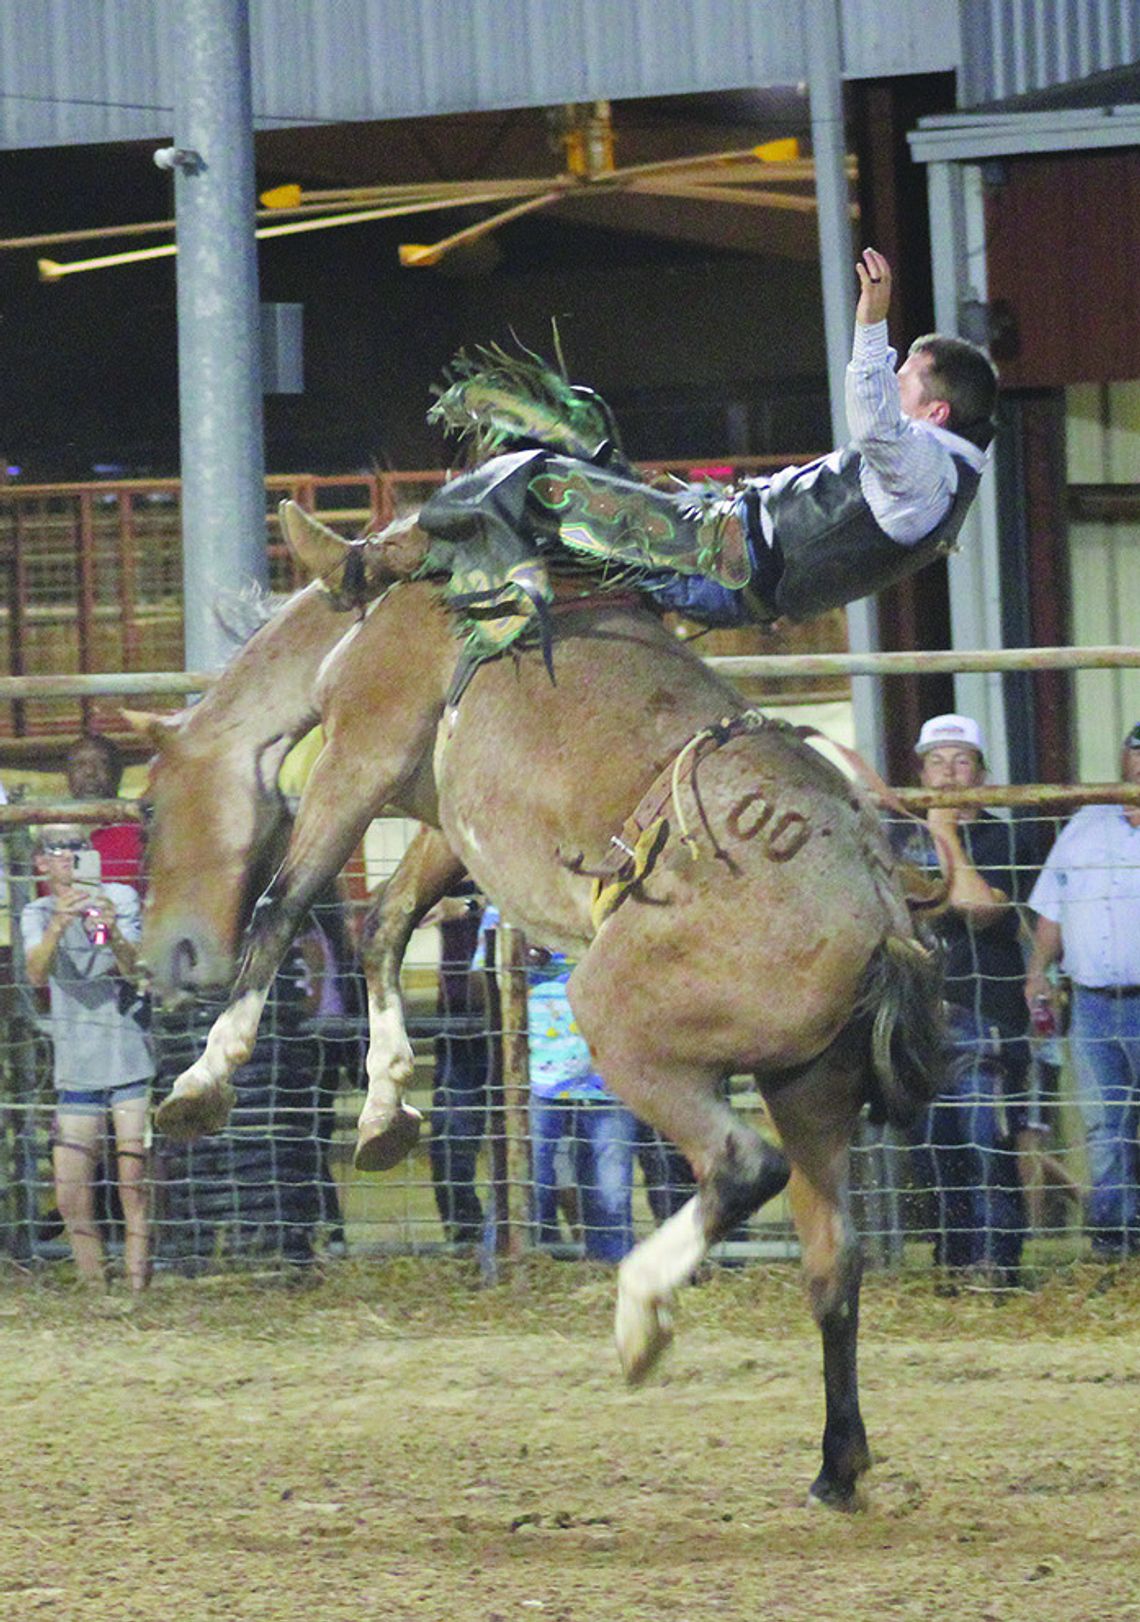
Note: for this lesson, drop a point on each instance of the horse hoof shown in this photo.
(643, 1330)
(188, 1115)
(387, 1148)
(830, 1495)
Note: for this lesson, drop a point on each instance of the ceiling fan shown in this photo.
(771, 176)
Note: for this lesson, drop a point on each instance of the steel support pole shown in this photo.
(219, 353)
(837, 264)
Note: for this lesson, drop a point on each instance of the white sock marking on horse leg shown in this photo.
(669, 1256)
(388, 1127)
(229, 1044)
(390, 1062)
(643, 1324)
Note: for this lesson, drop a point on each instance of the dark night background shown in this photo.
(704, 339)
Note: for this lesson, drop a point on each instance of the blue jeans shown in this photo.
(981, 1214)
(1105, 1038)
(601, 1156)
(669, 1182)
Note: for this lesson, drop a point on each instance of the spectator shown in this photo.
(80, 941)
(568, 1100)
(1087, 901)
(94, 769)
(972, 1127)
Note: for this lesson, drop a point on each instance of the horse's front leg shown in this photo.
(388, 1126)
(336, 807)
(203, 1095)
(815, 1122)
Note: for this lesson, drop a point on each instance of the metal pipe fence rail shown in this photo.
(278, 1184)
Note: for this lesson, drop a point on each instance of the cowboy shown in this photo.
(790, 546)
(883, 506)
(972, 1130)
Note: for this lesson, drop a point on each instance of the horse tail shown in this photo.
(901, 993)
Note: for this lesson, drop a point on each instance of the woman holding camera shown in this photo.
(80, 940)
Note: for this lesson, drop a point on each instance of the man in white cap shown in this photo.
(973, 1124)
(1087, 901)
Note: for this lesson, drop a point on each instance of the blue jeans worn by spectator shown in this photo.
(601, 1154)
(968, 1135)
(1105, 1039)
(669, 1182)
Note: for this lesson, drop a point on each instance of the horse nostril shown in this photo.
(183, 961)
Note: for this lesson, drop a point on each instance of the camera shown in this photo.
(87, 867)
(87, 870)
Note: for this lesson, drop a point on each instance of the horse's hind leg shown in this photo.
(388, 1127)
(737, 1173)
(736, 1170)
(815, 1116)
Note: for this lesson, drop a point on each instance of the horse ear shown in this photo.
(155, 728)
(319, 551)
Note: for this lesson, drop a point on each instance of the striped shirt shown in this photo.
(908, 477)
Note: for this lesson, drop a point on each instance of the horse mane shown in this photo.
(243, 610)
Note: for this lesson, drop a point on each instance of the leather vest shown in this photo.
(832, 548)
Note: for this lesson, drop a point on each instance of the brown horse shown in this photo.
(767, 934)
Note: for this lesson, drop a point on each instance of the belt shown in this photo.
(1113, 991)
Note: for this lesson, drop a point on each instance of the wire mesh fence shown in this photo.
(992, 1185)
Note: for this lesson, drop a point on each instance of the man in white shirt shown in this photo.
(885, 504)
(1087, 901)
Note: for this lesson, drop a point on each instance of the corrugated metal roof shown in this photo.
(1011, 47)
(103, 70)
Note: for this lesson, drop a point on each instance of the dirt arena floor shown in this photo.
(396, 1440)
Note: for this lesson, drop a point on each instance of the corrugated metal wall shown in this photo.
(84, 70)
(101, 70)
(1012, 46)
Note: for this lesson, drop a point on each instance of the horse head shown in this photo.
(216, 824)
(353, 572)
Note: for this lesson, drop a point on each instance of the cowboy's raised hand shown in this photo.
(874, 275)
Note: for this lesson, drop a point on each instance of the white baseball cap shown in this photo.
(950, 729)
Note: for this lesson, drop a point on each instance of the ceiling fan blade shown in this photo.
(291, 197)
(799, 173)
(794, 202)
(490, 192)
(766, 152)
(52, 239)
(50, 270)
(414, 254)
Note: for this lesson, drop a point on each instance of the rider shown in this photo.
(892, 499)
(806, 539)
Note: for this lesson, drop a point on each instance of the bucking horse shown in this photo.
(728, 893)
